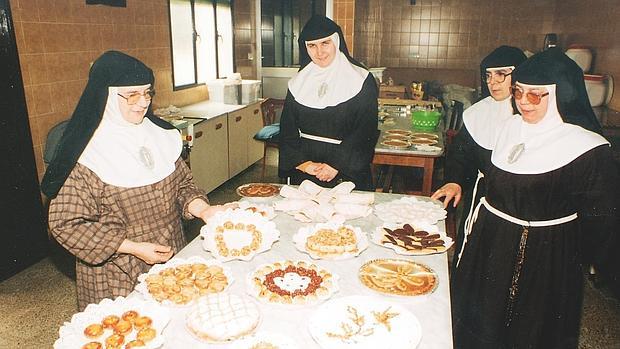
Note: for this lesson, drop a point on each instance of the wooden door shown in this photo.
(22, 224)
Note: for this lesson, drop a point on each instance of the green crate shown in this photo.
(425, 120)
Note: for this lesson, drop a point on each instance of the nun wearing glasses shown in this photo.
(328, 128)
(117, 184)
(470, 151)
(549, 200)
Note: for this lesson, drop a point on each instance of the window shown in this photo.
(201, 32)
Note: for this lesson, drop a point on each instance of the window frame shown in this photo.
(195, 35)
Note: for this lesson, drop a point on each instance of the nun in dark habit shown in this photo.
(470, 151)
(550, 199)
(328, 128)
(118, 185)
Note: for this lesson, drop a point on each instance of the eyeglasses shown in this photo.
(499, 77)
(533, 98)
(135, 97)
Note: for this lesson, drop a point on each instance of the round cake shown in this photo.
(222, 317)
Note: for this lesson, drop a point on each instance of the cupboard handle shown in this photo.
(255, 111)
(198, 134)
(238, 118)
(218, 126)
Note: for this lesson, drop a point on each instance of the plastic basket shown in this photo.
(425, 120)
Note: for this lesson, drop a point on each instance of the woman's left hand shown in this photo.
(326, 173)
(212, 210)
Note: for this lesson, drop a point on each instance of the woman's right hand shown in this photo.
(149, 252)
(449, 191)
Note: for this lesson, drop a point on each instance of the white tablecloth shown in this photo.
(432, 310)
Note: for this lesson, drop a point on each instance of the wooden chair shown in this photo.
(455, 123)
(271, 130)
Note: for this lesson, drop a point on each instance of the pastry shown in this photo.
(292, 282)
(397, 276)
(92, 345)
(110, 321)
(329, 242)
(146, 334)
(135, 344)
(222, 317)
(115, 340)
(240, 228)
(129, 315)
(93, 330)
(123, 327)
(142, 322)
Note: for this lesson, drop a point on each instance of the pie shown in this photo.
(332, 242)
(292, 282)
(396, 143)
(424, 141)
(398, 276)
(222, 317)
(397, 137)
(424, 135)
(183, 283)
(258, 190)
(399, 132)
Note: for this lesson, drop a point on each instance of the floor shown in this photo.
(36, 302)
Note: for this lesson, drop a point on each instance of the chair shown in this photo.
(456, 121)
(271, 130)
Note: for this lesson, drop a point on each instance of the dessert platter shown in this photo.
(423, 141)
(266, 340)
(258, 190)
(400, 132)
(424, 135)
(264, 210)
(120, 323)
(238, 234)
(408, 240)
(331, 241)
(410, 209)
(292, 282)
(222, 317)
(398, 277)
(396, 143)
(179, 282)
(363, 322)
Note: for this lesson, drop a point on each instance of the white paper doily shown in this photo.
(72, 333)
(410, 209)
(278, 340)
(264, 210)
(299, 240)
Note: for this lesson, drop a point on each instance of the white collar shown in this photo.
(525, 148)
(126, 155)
(485, 118)
(319, 88)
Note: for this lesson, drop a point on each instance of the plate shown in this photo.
(396, 144)
(265, 340)
(238, 234)
(362, 322)
(341, 251)
(410, 209)
(411, 239)
(399, 132)
(397, 137)
(292, 282)
(266, 211)
(209, 283)
(425, 141)
(72, 333)
(258, 190)
(398, 277)
(424, 135)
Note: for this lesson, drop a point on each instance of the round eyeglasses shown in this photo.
(135, 96)
(498, 77)
(533, 98)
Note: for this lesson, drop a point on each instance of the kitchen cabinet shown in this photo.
(209, 155)
(243, 150)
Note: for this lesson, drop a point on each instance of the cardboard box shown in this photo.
(225, 91)
(250, 91)
(391, 91)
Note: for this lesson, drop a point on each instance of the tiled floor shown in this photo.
(36, 302)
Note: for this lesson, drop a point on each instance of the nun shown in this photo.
(328, 128)
(117, 184)
(469, 154)
(550, 186)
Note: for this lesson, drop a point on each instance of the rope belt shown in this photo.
(319, 138)
(469, 223)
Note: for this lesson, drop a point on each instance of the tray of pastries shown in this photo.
(398, 277)
(400, 132)
(179, 282)
(238, 234)
(292, 282)
(258, 190)
(222, 317)
(411, 209)
(396, 143)
(426, 135)
(363, 322)
(266, 340)
(119, 323)
(331, 241)
(410, 240)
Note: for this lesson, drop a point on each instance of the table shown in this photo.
(412, 157)
(432, 310)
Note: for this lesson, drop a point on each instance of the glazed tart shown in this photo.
(399, 132)
(396, 144)
(260, 190)
(398, 277)
(292, 282)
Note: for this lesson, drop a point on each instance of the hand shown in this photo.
(209, 211)
(312, 168)
(149, 252)
(326, 173)
(449, 191)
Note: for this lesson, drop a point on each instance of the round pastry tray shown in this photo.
(397, 131)
(402, 277)
(396, 144)
(269, 190)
